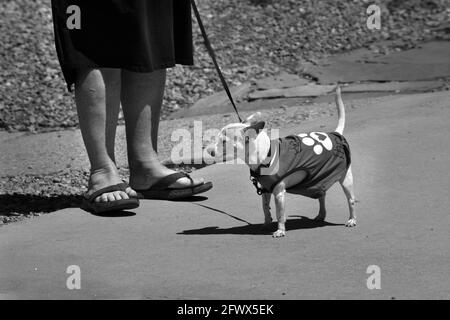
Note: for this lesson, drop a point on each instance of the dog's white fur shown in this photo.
(254, 150)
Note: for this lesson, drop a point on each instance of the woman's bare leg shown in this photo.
(97, 95)
(142, 95)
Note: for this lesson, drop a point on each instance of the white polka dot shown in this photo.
(318, 149)
(308, 141)
(328, 144)
(302, 135)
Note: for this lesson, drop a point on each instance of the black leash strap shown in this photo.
(213, 57)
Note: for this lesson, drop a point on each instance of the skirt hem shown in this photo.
(70, 78)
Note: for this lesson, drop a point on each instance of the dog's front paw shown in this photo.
(351, 223)
(279, 234)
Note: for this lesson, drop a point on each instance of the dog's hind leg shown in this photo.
(347, 186)
(279, 192)
(322, 210)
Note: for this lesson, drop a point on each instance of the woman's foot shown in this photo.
(141, 98)
(102, 178)
(144, 177)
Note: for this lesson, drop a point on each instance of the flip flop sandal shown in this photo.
(161, 190)
(90, 205)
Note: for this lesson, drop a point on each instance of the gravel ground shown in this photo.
(253, 39)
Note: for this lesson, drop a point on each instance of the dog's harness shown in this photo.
(255, 174)
(259, 190)
(271, 158)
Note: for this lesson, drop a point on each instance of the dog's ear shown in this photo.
(254, 118)
(257, 127)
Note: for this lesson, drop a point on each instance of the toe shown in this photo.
(198, 181)
(186, 182)
(118, 195)
(104, 197)
(110, 197)
(131, 193)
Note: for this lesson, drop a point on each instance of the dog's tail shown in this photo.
(341, 111)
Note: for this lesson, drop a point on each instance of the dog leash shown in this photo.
(213, 57)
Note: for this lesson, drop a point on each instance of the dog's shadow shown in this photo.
(300, 222)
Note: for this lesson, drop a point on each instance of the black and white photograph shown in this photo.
(241, 152)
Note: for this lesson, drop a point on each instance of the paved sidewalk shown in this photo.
(213, 248)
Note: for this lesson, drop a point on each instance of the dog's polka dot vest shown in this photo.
(324, 156)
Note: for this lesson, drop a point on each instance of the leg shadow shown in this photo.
(14, 205)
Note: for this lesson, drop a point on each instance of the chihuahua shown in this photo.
(307, 163)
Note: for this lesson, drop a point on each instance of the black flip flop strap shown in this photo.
(213, 57)
(165, 182)
(117, 187)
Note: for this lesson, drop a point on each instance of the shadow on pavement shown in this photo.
(114, 214)
(191, 199)
(258, 229)
(23, 204)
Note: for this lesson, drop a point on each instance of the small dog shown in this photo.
(307, 164)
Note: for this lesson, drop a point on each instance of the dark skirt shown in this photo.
(136, 35)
